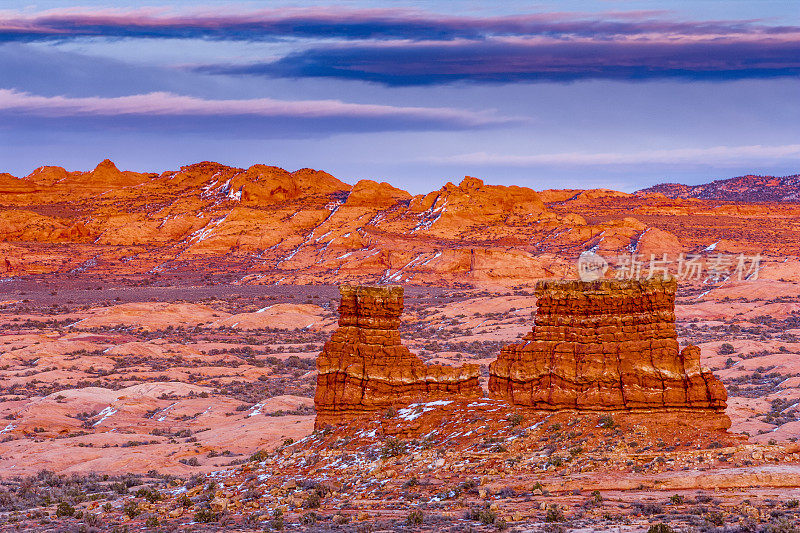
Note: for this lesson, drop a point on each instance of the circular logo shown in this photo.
(591, 266)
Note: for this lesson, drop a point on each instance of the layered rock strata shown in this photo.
(364, 367)
(605, 345)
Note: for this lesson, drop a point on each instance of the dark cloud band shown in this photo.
(400, 48)
(379, 24)
(502, 62)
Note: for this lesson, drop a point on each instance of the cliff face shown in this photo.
(365, 367)
(605, 345)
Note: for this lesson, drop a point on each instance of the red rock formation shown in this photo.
(365, 367)
(605, 345)
(307, 226)
(12, 185)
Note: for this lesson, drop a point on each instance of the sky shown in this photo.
(621, 94)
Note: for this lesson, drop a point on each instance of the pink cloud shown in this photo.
(169, 104)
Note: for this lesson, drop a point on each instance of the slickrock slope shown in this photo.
(365, 368)
(266, 225)
(605, 345)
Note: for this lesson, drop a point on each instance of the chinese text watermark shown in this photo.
(716, 268)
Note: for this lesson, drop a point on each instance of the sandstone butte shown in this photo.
(596, 346)
(365, 368)
(605, 345)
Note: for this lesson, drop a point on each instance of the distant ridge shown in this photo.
(749, 188)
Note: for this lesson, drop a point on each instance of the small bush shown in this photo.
(515, 419)
(152, 521)
(259, 456)
(92, 520)
(65, 509)
(483, 515)
(781, 525)
(308, 519)
(205, 516)
(131, 508)
(715, 518)
(412, 482)
(414, 518)
(607, 422)
(726, 348)
(648, 508)
(148, 493)
(660, 528)
(313, 501)
(393, 448)
(791, 504)
(553, 514)
(676, 499)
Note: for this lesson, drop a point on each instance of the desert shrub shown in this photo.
(414, 518)
(676, 499)
(648, 508)
(65, 509)
(184, 501)
(411, 482)
(259, 456)
(554, 514)
(782, 525)
(131, 508)
(606, 422)
(309, 519)
(152, 521)
(597, 497)
(341, 519)
(515, 419)
(92, 520)
(484, 515)
(205, 516)
(393, 448)
(506, 492)
(793, 503)
(715, 518)
(312, 501)
(148, 493)
(191, 461)
(660, 528)
(726, 348)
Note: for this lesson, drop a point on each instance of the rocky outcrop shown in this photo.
(364, 367)
(605, 345)
(307, 226)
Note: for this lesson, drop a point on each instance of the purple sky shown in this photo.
(619, 94)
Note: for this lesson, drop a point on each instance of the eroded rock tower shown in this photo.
(364, 367)
(605, 345)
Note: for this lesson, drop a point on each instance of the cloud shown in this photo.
(720, 155)
(514, 60)
(168, 110)
(410, 47)
(349, 24)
